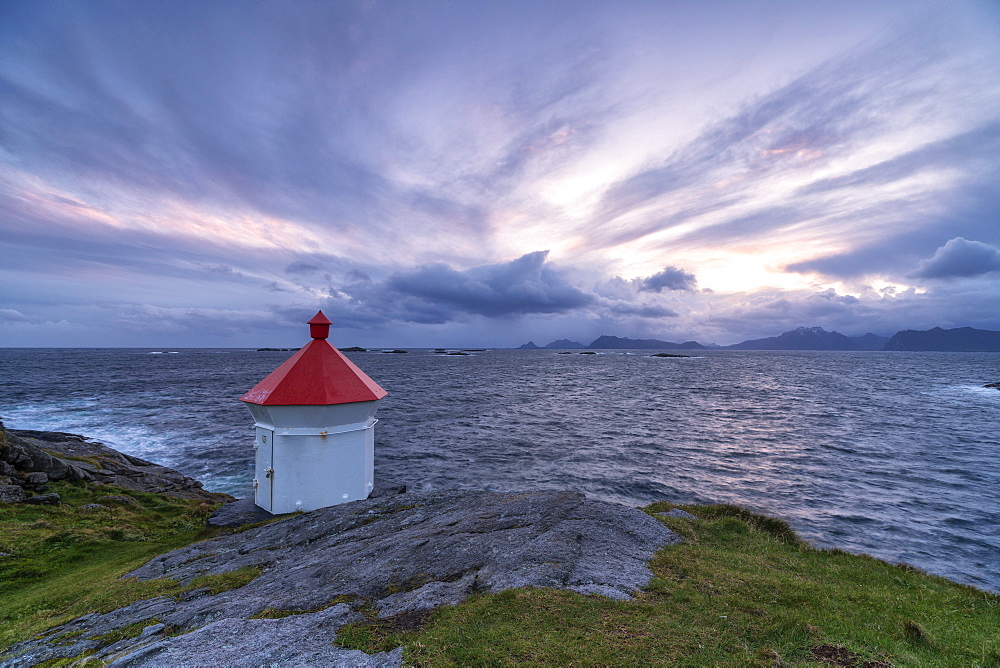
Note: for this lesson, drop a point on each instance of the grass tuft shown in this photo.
(916, 633)
(217, 583)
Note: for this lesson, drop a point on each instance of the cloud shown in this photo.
(387, 162)
(960, 257)
(977, 147)
(302, 268)
(838, 157)
(149, 319)
(13, 315)
(439, 294)
(222, 270)
(671, 278)
(642, 310)
(524, 285)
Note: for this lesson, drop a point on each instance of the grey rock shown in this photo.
(298, 640)
(431, 595)
(240, 512)
(37, 478)
(62, 456)
(601, 590)
(11, 494)
(151, 630)
(400, 553)
(245, 511)
(677, 512)
(93, 506)
(382, 488)
(50, 499)
(26, 456)
(118, 500)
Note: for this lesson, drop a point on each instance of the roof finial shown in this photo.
(319, 326)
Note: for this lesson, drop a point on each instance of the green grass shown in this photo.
(742, 590)
(220, 582)
(65, 561)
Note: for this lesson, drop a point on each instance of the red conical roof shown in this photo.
(317, 375)
(320, 319)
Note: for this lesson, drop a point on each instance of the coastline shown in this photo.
(271, 583)
(29, 459)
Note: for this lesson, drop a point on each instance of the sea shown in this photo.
(893, 454)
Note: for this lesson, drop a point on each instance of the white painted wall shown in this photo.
(319, 455)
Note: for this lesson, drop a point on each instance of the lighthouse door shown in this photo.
(263, 481)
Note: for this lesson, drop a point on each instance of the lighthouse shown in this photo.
(314, 419)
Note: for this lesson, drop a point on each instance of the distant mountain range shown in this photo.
(962, 339)
(614, 343)
(813, 338)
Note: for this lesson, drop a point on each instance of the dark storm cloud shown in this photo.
(960, 258)
(671, 278)
(527, 286)
(524, 285)
(438, 294)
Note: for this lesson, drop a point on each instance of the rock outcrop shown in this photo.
(394, 555)
(29, 459)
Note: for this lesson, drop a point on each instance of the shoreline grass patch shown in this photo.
(67, 560)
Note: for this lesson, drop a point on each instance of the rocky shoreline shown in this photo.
(398, 555)
(30, 459)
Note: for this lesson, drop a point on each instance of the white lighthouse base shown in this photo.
(305, 468)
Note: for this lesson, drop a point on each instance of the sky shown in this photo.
(473, 173)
